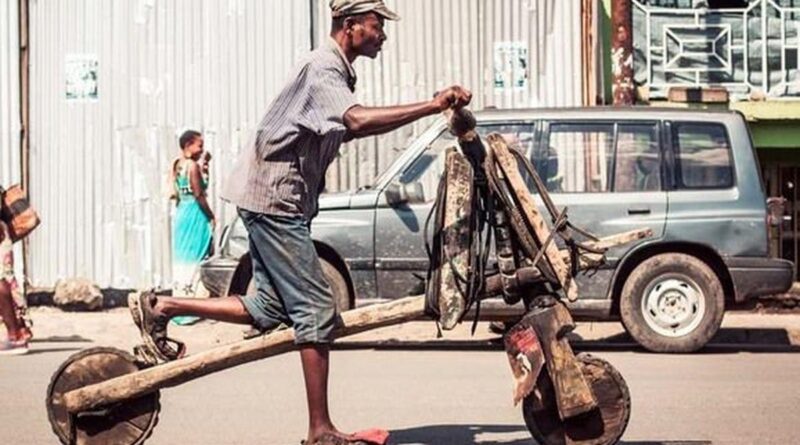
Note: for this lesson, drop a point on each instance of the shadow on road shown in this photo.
(34, 351)
(668, 442)
(482, 434)
(461, 434)
(727, 340)
(61, 339)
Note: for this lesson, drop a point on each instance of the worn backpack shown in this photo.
(17, 212)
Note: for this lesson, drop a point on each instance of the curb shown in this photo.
(578, 346)
(112, 299)
(116, 298)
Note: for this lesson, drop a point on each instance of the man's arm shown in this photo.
(369, 121)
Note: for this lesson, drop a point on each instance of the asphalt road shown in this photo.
(439, 397)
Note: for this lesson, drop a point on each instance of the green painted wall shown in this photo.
(777, 135)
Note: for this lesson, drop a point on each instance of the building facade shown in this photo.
(742, 55)
(113, 82)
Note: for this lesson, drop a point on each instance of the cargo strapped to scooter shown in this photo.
(480, 187)
(458, 255)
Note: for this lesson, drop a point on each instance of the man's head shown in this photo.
(358, 24)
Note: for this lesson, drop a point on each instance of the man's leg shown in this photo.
(17, 341)
(296, 275)
(8, 311)
(315, 360)
(263, 309)
(228, 309)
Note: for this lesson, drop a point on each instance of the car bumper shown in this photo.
(216, 274)
(755, 277)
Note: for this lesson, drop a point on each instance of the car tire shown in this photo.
(336, 281)
(672, 302)
(338, 285)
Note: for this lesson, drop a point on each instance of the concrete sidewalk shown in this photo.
(741, 330)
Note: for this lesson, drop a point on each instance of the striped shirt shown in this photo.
(282, 170)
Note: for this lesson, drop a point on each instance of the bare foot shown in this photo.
(373, 436)
(326, 436)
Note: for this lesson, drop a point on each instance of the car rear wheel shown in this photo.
(672, 302)
(336, 281)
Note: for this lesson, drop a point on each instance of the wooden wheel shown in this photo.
(127, 423)
(601, 426)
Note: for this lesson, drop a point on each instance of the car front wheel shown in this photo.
(672, 302)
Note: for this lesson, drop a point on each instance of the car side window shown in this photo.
(576, 158)
(703, 156)
(428, 167)
(519, 136)
(638, 161)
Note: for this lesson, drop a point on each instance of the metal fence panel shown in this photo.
(441, 42)
(10, 118)
(113, 82)
(140, 72)
(10, 125)
(751, 50)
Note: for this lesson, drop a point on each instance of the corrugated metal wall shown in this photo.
(10, 120)
(10, 164)
(98, 168)
(441, 42)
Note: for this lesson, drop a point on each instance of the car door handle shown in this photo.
(639, 211)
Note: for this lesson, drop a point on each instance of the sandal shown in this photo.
(25, 333)
(153, 329)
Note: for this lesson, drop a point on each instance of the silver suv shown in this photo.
(692, 177)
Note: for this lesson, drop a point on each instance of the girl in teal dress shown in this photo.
(193, 224)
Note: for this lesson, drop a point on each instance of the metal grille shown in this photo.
(752, 51)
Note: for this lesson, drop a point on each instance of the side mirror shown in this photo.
(398, 194)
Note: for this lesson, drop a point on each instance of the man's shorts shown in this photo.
(290, 286)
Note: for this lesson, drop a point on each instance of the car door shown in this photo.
(401, 260)
(609, 177)
(710, 204)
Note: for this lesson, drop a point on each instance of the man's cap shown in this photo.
(343, 8)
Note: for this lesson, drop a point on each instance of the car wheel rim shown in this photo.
(673, 307)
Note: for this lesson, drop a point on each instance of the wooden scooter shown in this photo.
(105, 395)
(567, 399)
